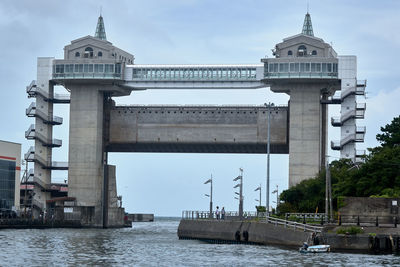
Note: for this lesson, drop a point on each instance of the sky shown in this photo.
(196, 32)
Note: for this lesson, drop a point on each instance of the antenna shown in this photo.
(101, 9)
(307, 6)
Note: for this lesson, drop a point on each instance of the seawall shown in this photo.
(241, 231)
(221, 231)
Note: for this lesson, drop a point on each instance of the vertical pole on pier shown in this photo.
(241, 195)
(268, 154)
(211, 195)
(326, 190)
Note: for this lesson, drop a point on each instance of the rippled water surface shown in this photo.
(155, 244)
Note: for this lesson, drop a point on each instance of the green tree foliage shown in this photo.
(390, 135)
(379, 176)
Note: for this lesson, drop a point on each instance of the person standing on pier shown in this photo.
(223, 213)
(217, 213)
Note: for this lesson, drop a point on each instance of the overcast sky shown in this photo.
(196, 32)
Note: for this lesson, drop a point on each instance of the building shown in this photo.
(10, 172)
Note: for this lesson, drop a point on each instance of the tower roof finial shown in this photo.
(307, 25)
(100, 30)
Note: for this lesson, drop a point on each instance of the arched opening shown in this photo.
(314, 53)
(290, 53)
(77, 54)
(100, 54)
(88, 52)
(301, 51)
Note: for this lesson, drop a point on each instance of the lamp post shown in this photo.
(277, 197)
(268, 106)
(240, 185)
(259, 189)
(210, 195)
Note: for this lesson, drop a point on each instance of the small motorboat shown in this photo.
(315, 249)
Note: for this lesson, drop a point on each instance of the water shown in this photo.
(155, 244)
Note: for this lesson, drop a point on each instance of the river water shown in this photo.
(155, 244)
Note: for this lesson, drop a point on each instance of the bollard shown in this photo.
(304, 219)
(395, 222)
(322, 220)
(358, 220)
(376, 223)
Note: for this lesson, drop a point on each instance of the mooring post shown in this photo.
(376, 223)
(358, 220)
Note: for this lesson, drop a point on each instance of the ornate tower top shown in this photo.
(307, 26)
(100, 30)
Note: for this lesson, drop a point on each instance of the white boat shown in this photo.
(315, 249)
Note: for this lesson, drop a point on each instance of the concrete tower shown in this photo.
(306, 68)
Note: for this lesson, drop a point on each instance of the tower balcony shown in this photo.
(30, 156)
(353, 91)
(33, 91)
(31, 111)
(31, 134)
(362, 83)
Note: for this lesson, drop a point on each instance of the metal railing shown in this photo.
(260, 217)
(301, 75)
(62, 76)
(367, 220)
(31, 111)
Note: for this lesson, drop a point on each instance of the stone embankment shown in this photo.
(373, 240)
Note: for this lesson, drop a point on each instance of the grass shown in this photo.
(352, 230)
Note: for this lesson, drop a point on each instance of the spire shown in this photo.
(100, 30)
(307, 25)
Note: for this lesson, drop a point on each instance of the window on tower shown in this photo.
(301, 51)
(88, 52)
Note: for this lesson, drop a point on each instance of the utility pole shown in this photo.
(210, 195)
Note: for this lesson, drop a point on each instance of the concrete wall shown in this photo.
(366, 206)
(209, 129)
(260, 233)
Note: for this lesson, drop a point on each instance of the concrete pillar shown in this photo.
(85, 174)
(307, 132)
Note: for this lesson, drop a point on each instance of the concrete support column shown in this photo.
(85, 174)
(307, 135)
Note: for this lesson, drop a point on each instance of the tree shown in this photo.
(390, 135)
(379, 176)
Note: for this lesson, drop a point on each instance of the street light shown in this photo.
(240, 185)
(277, 197)
(268, 106)
(210, 195)
(259, 189)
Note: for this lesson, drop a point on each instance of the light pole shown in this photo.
(277, 198)
(259, 189)
(210, 195)
(240, 185)
(268, 106)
